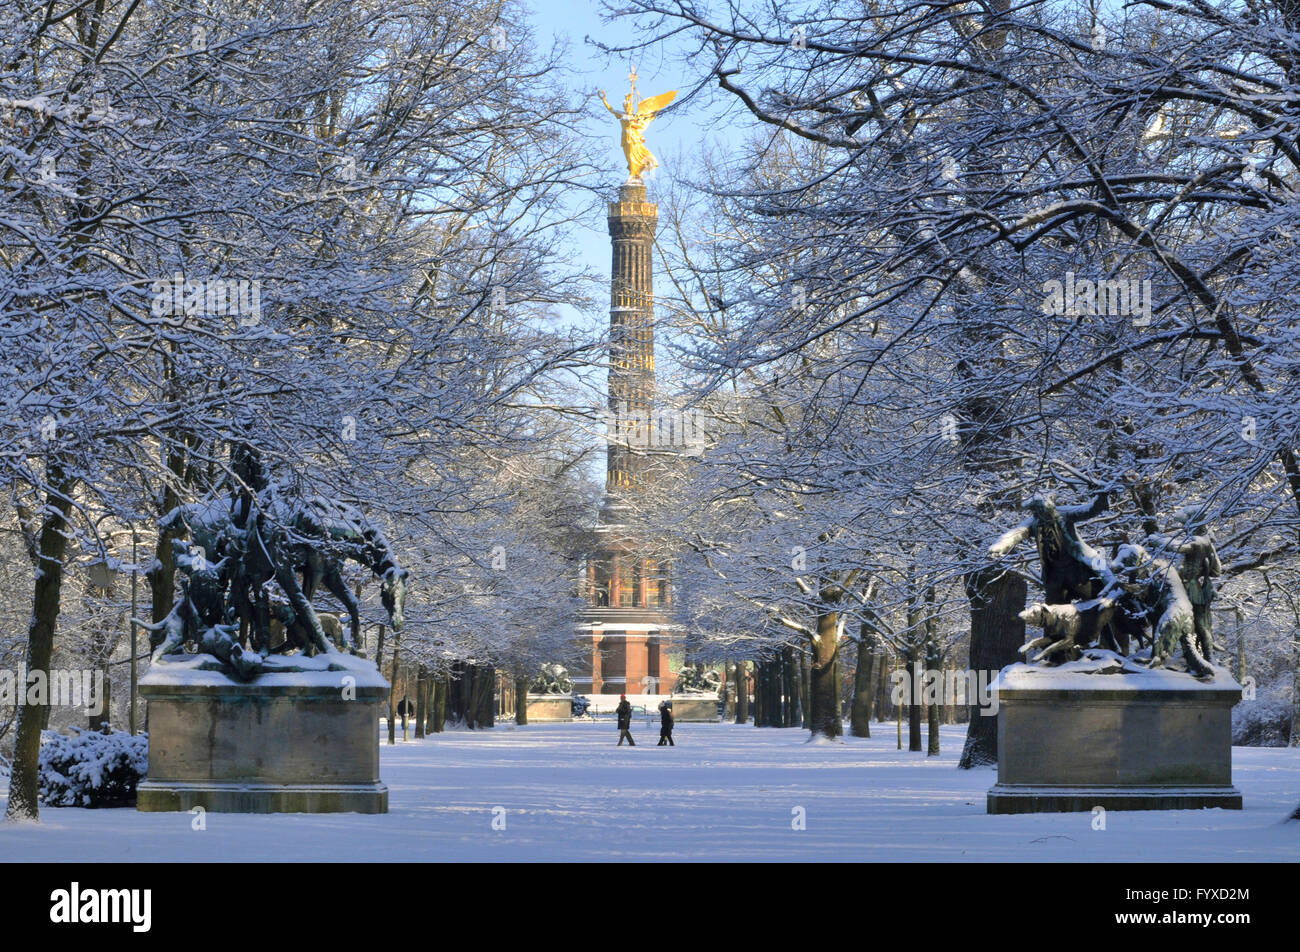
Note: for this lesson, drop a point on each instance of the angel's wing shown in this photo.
(655, 103)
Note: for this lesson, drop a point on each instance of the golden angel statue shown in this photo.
(634, 118)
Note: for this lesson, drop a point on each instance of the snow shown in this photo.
(1116, 673)
(323, 670)
(1109, 671)
(726, 792)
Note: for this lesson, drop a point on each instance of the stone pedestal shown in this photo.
(1115, 735)
(696, 708)
(549, 708)
(291, 741)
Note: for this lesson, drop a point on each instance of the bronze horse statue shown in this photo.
(241, 542)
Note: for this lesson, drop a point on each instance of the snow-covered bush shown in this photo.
(1262, 722)
(92, 768)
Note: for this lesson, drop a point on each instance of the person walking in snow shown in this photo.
(666, 723)
(624, 711)
(404, 710)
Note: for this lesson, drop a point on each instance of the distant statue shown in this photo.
(634, 118)
(553, 679)
(695, 679)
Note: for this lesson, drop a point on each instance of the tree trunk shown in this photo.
(949, 710)
(1295, 701)
(455, 691)
(792, 680)
(521, 700)
(103, 642)
(771, 694)
(932, 663)
(783, 693)
(477, 697)
(776, 706)
(824, 688)
(884, 701)
(863, 687)
(162, 576)
(805, 685)
(839, 693)
(104, 718)
(421, 684)
(465, 701)
(997, 597)
(898, 714)
(430, 700)
(484, 696)
(441, 688)
(742, 693)
(474, 703)
(489, 697)
(431, 705)
(392, 681)
(465, 697)
(914, 708)
(775, 714)
(24, 800)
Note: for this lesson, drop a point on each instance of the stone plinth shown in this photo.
(291, 741)
(549, 708)
(697, 708)
(1109, 733)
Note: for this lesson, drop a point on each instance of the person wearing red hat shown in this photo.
(624, 711)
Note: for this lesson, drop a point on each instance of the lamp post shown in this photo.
(102, 575)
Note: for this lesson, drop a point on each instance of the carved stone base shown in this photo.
(549, 708)
(291, 741)
(695, 708)
(1117, 736)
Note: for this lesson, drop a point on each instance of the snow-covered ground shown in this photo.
(724, 793)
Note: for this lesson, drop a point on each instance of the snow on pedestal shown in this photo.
(302, 737)
(1104, 731)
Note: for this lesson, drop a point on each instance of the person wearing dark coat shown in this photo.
(405, 709)
(666, 723)
(624, 711)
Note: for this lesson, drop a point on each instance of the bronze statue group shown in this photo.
(264, 532)
(1155, 594)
